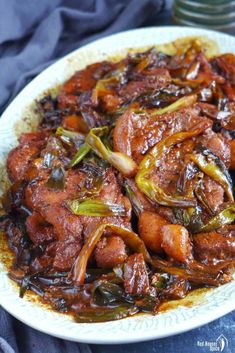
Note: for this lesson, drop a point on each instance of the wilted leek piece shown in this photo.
(90, 315)
(149, 164)
(195, 274)
(182, 215)
(132, 240)
(56, 179)
(183, 102)
(119, 160)
(101, 88)
(96, 208)
(72, 135)
(202, 197)
(227, 216)
(84, 149)
(104, 86)
(28, 283)
(135, 202)
(147, 303)
(110, 293)
(209, 165)
(161, 280)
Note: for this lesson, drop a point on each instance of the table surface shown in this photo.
(194, 341)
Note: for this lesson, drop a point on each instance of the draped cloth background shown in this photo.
(33, 33)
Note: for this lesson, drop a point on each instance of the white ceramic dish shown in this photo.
(216, 303)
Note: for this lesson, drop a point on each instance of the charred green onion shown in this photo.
(105, 85)
(96, 208)
(227, 216)
(84, 149)
(183, 102)
(90, 315)
(195, 274)
(102, 88)
(73, 135)
(120, 161)
(135, 202)
(209, 165)
(108, 292)
(150, 163)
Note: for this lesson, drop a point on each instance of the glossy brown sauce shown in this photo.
(193, 298)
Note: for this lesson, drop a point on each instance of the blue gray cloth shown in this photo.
(32, 35)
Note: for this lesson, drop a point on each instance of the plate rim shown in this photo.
(180, 328)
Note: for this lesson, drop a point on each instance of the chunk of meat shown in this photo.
(38, 230)
(149, 80)
(44, 261)
(82, 81)
(110, 191)
(20, 157)
(66, 252)
(150, 229)
(15, 236)
(225, 65)
(67, 225)
(50, 204)
(136, 280)
(176, 289)
(110, 252)
(218, 144)
(135, 133)
(75, 123)
(111, 102)
(69, 228)
(212, 247)
(176, 242)
(40, 197)
(214, 193)
(232, 154)
(171, 164)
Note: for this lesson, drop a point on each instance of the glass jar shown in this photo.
(212, 14)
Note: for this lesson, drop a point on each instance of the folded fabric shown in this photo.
(34, 33)
(16, 337)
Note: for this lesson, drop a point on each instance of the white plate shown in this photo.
(218, 302)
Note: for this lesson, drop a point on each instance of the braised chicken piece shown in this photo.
(123, 198)
(136, 276)
(110, 252)
(82, 81)
(135, 133)
(215, 246)
(69, 227)
(38, 230)
(218, 144)
(19, 158)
